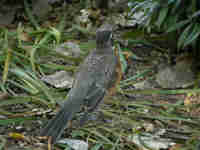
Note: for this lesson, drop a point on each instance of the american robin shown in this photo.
(98, 75)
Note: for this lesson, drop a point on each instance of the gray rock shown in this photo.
(69, 49)
(151, 141)
(7, 15)
(178, 76)
(59, 79)
(146, 84)
(41, 8)
(74, 144)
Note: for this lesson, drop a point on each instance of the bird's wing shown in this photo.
(91, 102)
(102, 80)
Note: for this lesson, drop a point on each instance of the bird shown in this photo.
(98, 76)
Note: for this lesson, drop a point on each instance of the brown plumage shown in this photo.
(98, 74)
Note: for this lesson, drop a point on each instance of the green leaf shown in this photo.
(184, 35)
(56, 33)
(194, 35)
(171, 1)
(135, 34)
(14, 101)
(97, 146)
(176, 6)
(178, 25)
(139, 6)
(170, 21)
(15, 120)
(122, 59)
(22, 100)
(32, 82)
(26, 86)
(162, 15)
(196, 14)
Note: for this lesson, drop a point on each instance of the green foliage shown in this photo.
(181, 17)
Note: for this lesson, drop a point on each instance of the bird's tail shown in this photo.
(56, 126)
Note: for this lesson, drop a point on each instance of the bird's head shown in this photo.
(104, 36)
